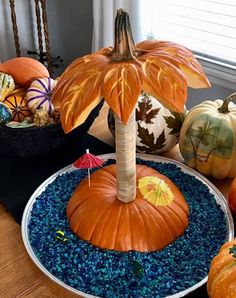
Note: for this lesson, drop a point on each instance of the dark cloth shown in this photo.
(20, 177)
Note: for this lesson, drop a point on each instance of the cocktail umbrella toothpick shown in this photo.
(88, 161)
(155, 191)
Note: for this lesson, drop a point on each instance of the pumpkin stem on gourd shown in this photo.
(225, 106)
(124, 48)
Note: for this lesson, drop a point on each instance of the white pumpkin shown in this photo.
(39, 95)
(157, 127)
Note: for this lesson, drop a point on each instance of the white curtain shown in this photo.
(104, 12)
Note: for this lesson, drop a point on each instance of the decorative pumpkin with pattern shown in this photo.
(157, 127)
(162, 69)
(97, 216)
(7, 85)
(208, 138)
(17, 102)
(39, 95)
(24, 70)
(5, 114)
(222, 275)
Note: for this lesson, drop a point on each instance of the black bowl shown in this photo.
(38, 141)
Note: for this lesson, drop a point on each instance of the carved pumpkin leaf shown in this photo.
(170, 86)
(180, 57)
(174, 122)
(75, 76)
(121, 88)
(79, 100)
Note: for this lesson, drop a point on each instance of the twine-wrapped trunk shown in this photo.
(126, 159)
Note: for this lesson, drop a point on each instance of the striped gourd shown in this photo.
(17, 103)
(39, 95)
(6, 85)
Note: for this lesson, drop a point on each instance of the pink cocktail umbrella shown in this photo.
(88, 161)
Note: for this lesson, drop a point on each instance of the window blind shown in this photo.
(207, 27)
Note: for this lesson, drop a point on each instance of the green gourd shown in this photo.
(7, 85)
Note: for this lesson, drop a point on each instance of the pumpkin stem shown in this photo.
(225, 106)
(124, 48)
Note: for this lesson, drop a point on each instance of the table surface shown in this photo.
(19, 276)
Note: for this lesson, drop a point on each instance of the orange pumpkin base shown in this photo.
(96, 215)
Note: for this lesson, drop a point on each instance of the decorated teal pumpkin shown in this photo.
(208, 138)
(157, 127)
(5, 114)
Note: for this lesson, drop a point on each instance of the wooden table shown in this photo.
(19, 277)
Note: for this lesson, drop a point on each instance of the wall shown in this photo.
(195, 96)
(70, 28)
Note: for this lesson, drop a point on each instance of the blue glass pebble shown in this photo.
(107, 273)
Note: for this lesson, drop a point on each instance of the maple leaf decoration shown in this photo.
(148, 140)
(145, 111)
(162, 69)
(174, 122)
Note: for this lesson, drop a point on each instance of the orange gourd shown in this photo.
(24, 70)
(18, 105)
(222, 275)
(97, 216)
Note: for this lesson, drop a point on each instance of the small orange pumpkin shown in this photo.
(96, 215)
(24, 70)
(222, 275)
(17, 102)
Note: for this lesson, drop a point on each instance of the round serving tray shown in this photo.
(220, 199)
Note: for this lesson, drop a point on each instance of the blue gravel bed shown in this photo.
(108, 273)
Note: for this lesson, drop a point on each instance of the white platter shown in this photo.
(220, 199)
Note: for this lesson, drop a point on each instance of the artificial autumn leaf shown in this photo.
(174, 122)
(148, 140)
(144, 111)
(162, 69)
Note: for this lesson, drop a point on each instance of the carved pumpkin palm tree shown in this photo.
(160, 68)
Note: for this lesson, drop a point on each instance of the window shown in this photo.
(207, 27)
